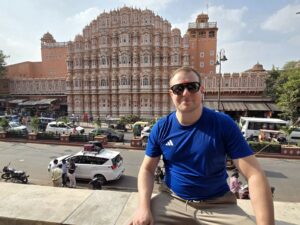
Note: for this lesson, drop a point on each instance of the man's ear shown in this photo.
(171, 93)
(202, 89)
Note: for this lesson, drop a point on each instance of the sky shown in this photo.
(250, 31)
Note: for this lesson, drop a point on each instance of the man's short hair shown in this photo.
(186, 69)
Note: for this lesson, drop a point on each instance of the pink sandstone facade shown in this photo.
(121, 65)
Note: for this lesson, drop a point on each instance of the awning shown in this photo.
(213, 105)
(257, 107)
(31, 103)
(46, 101)
(234, 106)
(274, 107)
(16, 101)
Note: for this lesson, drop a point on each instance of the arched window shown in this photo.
(145, 81)
(124, 81)
(103, 61)
(103, 83)
(146, 60)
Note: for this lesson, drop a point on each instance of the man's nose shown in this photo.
(185, 92)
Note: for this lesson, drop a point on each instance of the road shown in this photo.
(34, 159)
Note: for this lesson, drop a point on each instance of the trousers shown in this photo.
(167, 208)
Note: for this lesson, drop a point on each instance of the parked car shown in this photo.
(145, 133)
(112, 135)
(106, 165)
(295, 135)
(43, 122)
(15, 126)
(61, 127)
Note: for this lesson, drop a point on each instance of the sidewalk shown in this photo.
(42, 205)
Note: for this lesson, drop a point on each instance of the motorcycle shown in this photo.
(14, 175)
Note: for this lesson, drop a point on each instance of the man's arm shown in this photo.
(259, 189)
(145, 187)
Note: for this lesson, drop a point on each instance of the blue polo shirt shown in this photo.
(195, 155)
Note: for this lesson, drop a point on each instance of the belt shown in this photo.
(227, 198)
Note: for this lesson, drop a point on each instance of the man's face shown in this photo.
(186, 101)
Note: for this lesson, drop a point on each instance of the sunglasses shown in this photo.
(192, 87)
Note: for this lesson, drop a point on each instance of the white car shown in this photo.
(15, 126)
(104, 164)
(62, 128)
(145, 133)
(295, 135)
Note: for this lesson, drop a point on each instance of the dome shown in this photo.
(48, 38)
(175, 31)
(257, 68)
(202, 18)
(78, 37)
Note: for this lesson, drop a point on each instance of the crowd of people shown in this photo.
(61, 171)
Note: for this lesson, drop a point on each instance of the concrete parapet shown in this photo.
(43, 205)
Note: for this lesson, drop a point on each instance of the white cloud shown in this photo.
(284, 20)
(231, 22)
(15, 48)
(84, 16)
(242, 55)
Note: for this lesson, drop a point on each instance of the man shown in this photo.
(64, 173)
(56, 175)
(194, 142)
(71, 174)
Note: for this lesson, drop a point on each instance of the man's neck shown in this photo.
(189, 118)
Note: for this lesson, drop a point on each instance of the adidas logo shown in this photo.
(169, 143)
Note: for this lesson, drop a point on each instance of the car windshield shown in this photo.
(14, 124)
(117, 159)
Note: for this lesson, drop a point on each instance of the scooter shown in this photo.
(15, 176)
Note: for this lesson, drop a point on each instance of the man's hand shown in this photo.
(142, 217)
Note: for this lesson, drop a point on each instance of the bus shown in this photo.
(250, 126)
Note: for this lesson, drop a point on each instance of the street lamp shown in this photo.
(221, 57)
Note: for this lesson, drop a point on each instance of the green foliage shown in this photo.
(2, 64)
(290, 65)
(97, 122)
(129, 119)
(64, 119)
(271, 83)
(268, 147)
(289, 94)
(35, 123)
(4, 123)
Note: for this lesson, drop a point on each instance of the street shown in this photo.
(34, 159)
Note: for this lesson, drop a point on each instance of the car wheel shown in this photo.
(101, 178)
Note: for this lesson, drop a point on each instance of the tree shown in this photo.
(289, 94)
(4, 123)
(271, 83)
(2, 64)
(35, 123)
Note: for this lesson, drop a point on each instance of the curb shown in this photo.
(128, 147)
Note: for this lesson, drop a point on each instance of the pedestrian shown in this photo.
(56, 175)
(194, 142)
(52, 165)
(235, 184)
(64, 173)
(71, 174)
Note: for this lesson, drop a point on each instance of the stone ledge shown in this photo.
(43, 205)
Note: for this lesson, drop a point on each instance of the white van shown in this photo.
(250, 126)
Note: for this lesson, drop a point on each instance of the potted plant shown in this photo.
(289, 149)
(4, 124)
(35, 123)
